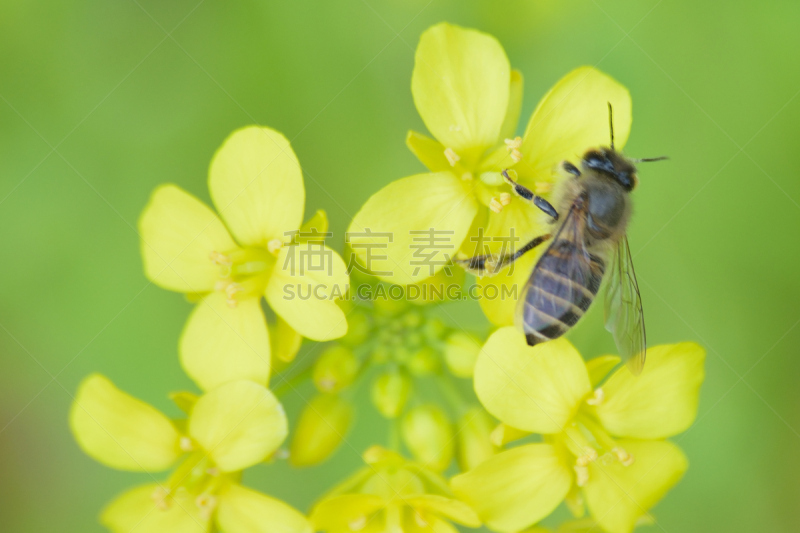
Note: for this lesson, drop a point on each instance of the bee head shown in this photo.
(611, 164)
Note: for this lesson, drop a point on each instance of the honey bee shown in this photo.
(589, 242)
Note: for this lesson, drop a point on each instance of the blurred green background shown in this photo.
(102, 101)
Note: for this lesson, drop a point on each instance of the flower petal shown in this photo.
(120, 431)
(599, 367)
(178, 232)
(437, 206)
(572, 118)
(304, 288)
(509, 128)
(285, 341)
(429, 151)
(135, 511)
(242, 510)
(257, 186)
(460, 85)
(337, 512)
(517, 487)
(660, 402)
(238, 424)
(450, 508)
(618, 495)
(221, 344)
(534, 388)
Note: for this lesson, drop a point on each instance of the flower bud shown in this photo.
(335, 369)
(460, 352)
(423, 362)
(428, 434)
(323, 425)
(358, 329)
(390, 392)
(434, 329)
(474, 438)
(388, 305)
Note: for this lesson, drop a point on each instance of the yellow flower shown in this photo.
(469, 99)
(229, 428)
(391, 495)
(605, 446)
(231, 261)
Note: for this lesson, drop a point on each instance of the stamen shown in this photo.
(623, 456)
(160, 498)
(357, 524)
(466, 176)
(581, 475)
(274, 245)
(452, 156)
(505, 198)
(597, 398)
(213, 471)
(542, 187)
(186, 444)
(206, 503)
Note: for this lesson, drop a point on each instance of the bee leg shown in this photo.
(528, 194)
(572, 169)
(491, 264)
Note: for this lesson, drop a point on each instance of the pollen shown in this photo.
(589, 456)
(274, 245)
(452, 156)
(495, 205)
(357, 524)
(597, 398)
(186, 444)
(624, 457)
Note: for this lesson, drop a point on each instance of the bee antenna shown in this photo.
(611, 123)
(650, 159)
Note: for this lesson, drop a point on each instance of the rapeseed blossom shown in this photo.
(602, 445)
(251, 250)
(392, 495)
(229, 428)
(470, 98)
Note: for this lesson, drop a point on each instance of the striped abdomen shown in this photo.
(561, 288)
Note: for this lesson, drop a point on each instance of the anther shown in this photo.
(513, 145)
(589, 456)
(206, 503)
(274, 245)
(623, 456)
(504, 198)
(581, 475)
(230, 291)
(159, 498)
(357, 524)
(220, 259)
(495, 205)
(597, 398)
(186, 444)
(452, 156)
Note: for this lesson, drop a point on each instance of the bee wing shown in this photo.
(623, 307)
(562, 284)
